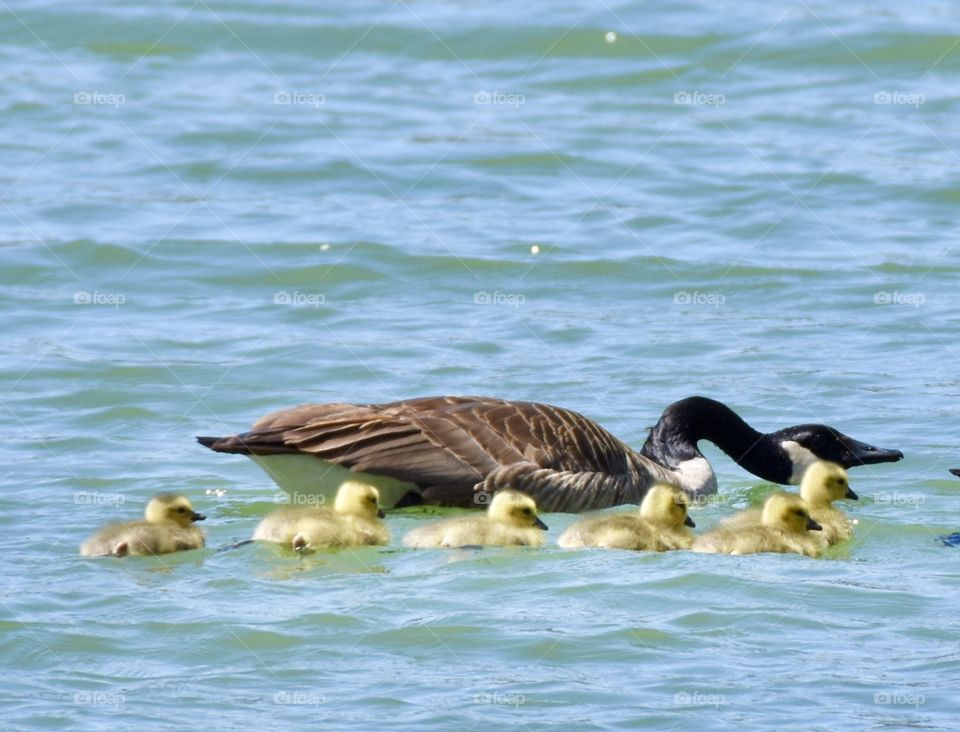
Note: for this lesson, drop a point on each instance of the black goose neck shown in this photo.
(684, 423)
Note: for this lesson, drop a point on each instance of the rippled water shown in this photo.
(211, 210)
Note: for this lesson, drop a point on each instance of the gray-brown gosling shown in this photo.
(354, 520)
(167, 527)
(511, 520)
(823, 483)
(661, 524)
(785, 526)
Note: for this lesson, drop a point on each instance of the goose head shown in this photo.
(807, 444)
(666, 505)
(171, 507)
(358, 499)
(824, 483)
(515, 509)
(788, 512)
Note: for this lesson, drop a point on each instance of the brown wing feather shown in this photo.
(446, 445)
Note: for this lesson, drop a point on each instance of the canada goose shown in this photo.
(168, 527)
(822, 484)
(511, 520)
(355, 520)
(443, 450)
(785, 526)
(661, 524)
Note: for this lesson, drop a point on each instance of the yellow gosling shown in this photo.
(167, 527)
(354, 520)
(511, 520)
(785, 526)
(823, 483)
(661, 524)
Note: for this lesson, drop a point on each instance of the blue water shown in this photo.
(210, 211)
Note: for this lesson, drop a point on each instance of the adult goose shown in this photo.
(457, 451)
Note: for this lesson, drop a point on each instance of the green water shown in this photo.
(209, 211)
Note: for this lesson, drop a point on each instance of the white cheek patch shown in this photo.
(697, 477)
(801, 458)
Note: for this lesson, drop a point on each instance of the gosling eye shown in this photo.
(182, 509)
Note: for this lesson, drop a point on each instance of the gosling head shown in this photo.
(825, 482)
(358, 499)
(667, 505)
(515, 509)
(172, 507)
(788, 512)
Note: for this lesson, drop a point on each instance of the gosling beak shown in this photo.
(197, 516)
(539, 524)
(813, 525)
(380, 513)
(851, 495)
(864, 454)
(689, 522)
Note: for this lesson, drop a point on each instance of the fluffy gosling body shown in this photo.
(823, 483)
(354, 520)
(511, 520)
(167, 527)
(785, 526)
(661, 524)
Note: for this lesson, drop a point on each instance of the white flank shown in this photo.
(305, 475)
